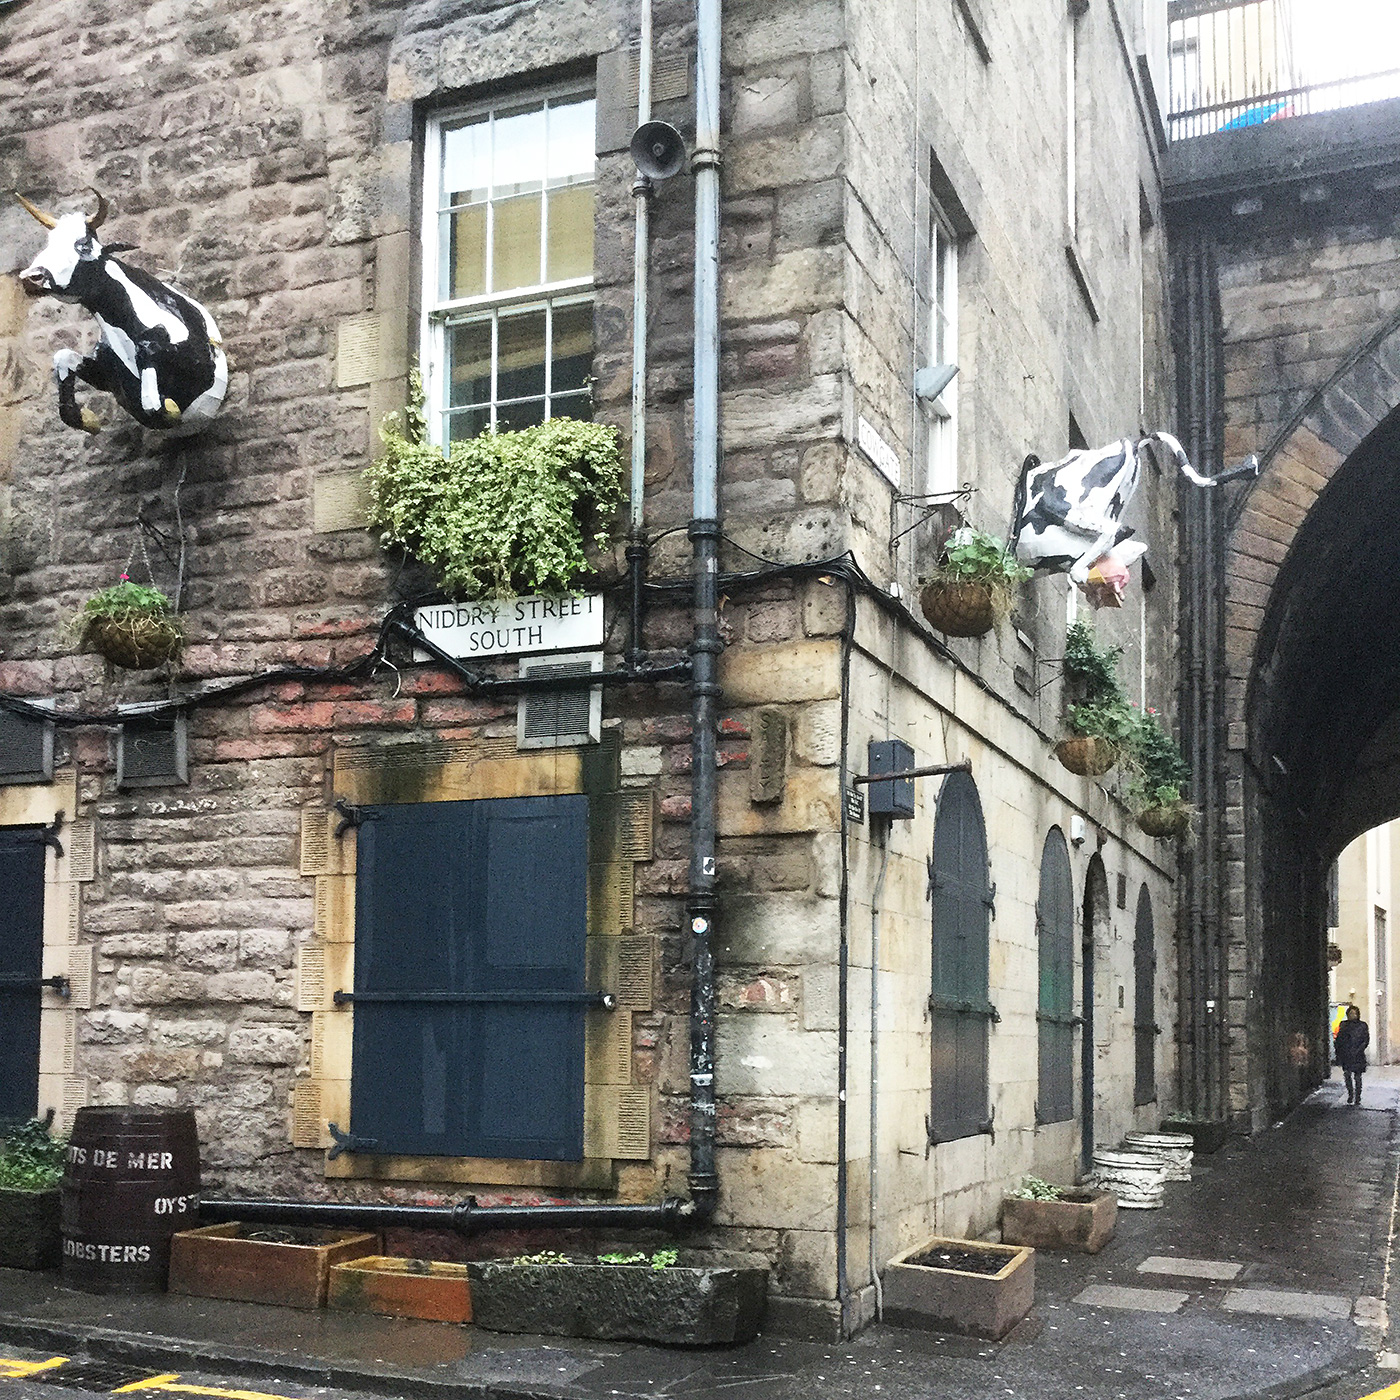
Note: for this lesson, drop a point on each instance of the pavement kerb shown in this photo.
(173, 1353)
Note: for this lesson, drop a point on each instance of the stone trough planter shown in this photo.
(701, 1303)
(402, 1288)
(984, 1302)
(1082, 1221)
(29, 1233)
(285, 1265)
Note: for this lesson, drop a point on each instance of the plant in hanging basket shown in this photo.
(132, 626)
(1167, 814)
(973, 586)
(1101, 723)
(1161, 773)
(502, 513)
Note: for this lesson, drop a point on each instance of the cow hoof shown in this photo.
(172, 410)
(91, 422)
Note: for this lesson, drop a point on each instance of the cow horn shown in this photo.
(47, 220)
(95, 220)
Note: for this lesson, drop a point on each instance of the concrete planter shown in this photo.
(1082, 1221)
(220, 1261)
(402, 1288)
(29, 1235)
(704, 1305)
(955, 1300)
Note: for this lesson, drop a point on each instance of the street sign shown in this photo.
(513, 626)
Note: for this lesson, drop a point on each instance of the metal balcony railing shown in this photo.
(1236, 63)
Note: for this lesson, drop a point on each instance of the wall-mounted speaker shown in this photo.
(659, 150)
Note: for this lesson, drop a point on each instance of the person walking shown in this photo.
(1352, 1038)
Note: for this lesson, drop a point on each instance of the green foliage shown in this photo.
(622, 1259)
(973, 557)
(504, 513)
(1034, 1189)
(545, 1256)
(1105, 719)
(1102, 711)
(31, 1160)
(126, 600)
(1161, 771)
(664, 1258)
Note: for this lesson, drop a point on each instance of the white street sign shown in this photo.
(513, 627)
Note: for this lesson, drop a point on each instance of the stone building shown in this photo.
(902, 185)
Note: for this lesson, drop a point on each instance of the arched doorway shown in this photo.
(1055, 1018)
(1095, 929)
(1145, 1027)
(960, 1009)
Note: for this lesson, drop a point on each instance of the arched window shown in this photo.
(959, 1006)
(1054, 928)
(1144, 1002)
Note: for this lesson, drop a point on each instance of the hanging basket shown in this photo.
(958, 609)
(1089, 755)
(138, 641)
(1173, 819)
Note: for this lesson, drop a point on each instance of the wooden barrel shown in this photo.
(131, 1180)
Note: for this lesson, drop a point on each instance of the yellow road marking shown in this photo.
(169, 1385)
(1391, 1392)
(150, 1383)
(15, 1369)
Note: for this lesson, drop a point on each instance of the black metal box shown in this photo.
(896, 798)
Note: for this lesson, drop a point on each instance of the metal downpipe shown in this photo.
(706, 647)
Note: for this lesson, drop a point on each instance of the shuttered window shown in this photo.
(960, 1011)
(1054, 926)
(470, 920)
(21, 959)
(1144, 1002)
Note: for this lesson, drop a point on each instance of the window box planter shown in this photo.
(950, 1299)
(1089, 755)
(286, 1265)
(1082, 1221)
(402, 1288)
(702, 1304)
(29, 1235)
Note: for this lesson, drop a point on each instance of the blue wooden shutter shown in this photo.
(21, 967)
(483, 905)
(1054, 922)
(959, 1007)
(1144, 1002)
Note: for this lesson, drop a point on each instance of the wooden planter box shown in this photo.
(220, 1261)
(29, 1235)
(956, 1300)
(705, 1305)
(402, 1288)
(1082, 1221)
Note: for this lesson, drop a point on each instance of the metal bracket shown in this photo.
(347, 1142)
(933, 880)
(49, 834)
(988, 1128)
(606, 1000)
(349, 816)
(990, 900)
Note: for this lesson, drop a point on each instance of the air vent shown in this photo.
(548, 719)
(153, 753)
(26, 749)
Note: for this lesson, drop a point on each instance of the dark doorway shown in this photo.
(1145, 1029)
(21, 967)
(1056, 1021)
(1095, 932)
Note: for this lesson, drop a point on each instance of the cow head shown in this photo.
(72, 241)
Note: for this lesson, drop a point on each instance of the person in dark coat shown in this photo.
(1352, 1038)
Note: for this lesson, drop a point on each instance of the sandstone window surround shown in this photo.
(507, 335)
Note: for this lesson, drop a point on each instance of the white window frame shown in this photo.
(941, 467)
(437, 314)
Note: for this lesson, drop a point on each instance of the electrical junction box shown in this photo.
(892, 799)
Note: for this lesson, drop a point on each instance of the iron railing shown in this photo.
(1236, 63)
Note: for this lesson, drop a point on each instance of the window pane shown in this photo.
(579, 406)
(465, 423)
(515, 245)
(570, 252)
(519, 153)
(466, 163)
(573, 348)
(464, 267)
(520, 366)
(469, 363)
(511, 416)
(571, 142)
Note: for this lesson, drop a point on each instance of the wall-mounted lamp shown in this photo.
(932, 380)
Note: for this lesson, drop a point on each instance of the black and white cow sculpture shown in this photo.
(159, 353)
(1069, 513)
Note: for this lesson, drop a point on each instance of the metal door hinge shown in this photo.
(15, 981)
(349, 816)
(49, 834)
(348, 1142)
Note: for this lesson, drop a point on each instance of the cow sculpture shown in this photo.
(1069, 514)
(159, 353)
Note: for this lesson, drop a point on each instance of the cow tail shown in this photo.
(1182, 461)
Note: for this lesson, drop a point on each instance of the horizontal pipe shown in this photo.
(933, 770)
(465, 1216)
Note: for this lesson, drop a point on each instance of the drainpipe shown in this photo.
(873, 1252)
(642, 190)
(706, 647)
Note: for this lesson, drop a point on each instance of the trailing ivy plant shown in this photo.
(502, 513)
(1103, 711)
(31, 1160)
(970, 556)
(1160, 772)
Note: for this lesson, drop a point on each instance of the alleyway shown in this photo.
(1260, 1278)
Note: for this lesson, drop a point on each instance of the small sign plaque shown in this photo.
(884, 457)
(855, 805)
(514, 627)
